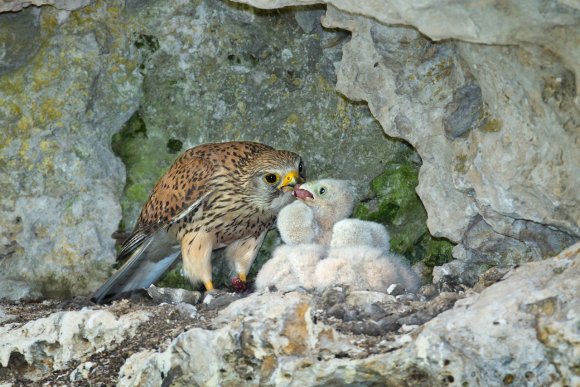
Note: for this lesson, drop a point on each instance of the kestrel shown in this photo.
(321, 204)
(213, 196)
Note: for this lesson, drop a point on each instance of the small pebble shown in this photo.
(337, 311)
(395, 289)
(208, 299)
(187, 309)
(406, 297)
(408, 328)
(388, 324)
(429, 291)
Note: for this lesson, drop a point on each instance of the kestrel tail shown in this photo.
(214, 195)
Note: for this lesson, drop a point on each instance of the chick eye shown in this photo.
(322, 191)
(300, 167)
(271, 178)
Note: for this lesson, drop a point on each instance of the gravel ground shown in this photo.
(373, 327)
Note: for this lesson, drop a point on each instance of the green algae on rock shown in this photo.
(395, 204)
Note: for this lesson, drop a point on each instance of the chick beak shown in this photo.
(302, 194)
(290, 180)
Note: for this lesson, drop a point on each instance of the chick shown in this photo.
(364, 268)
(297, 225)
(330, 200)
(358, 254)
(355, 232)
(291, 267)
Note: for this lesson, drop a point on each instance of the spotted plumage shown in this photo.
(214, 195)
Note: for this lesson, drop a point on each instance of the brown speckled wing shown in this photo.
(179, 191)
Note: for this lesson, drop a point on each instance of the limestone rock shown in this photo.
(56, 341)
(173, 296)
(60, 180)
(17, 5)
(489, 173)
(553, 25)
(503, 334)
(520, 330)
(261, 335)
(496, 126)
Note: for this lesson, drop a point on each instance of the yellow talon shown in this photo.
(242, 277)
(208, 285)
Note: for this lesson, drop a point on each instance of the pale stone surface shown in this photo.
(530, 336)
(554, 24)
(259, 333)
(412, 102)
(60, 180)
(54, 342)
(523, 330)
(495, 126)
(509, 331)
(17, 5)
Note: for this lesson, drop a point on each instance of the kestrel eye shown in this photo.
(271, 178)
(322, 191)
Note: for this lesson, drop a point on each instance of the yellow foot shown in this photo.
(242, 277)
(208, 285)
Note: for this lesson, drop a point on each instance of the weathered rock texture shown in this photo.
(17, 5)
(521, 330)
(273, 339)
(59, 106)
(553, 24)
(59, 340)
(496, 125)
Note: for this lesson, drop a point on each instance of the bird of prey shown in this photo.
(325, 248)
(322, 203)
(213, 196)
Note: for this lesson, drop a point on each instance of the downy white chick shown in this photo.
(330, 200)
(358, 254)
(290, 267)
(355, 232)
(364, 268)
(297, 225)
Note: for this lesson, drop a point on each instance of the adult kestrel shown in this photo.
(214, 195)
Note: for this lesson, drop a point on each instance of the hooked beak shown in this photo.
(290, 180)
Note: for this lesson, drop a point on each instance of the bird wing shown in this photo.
(150, 249)
(146, 264)
(179, 192)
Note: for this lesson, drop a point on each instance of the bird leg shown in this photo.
(196, 251)
(242, 254)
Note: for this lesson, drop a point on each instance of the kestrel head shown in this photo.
(273, 177)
